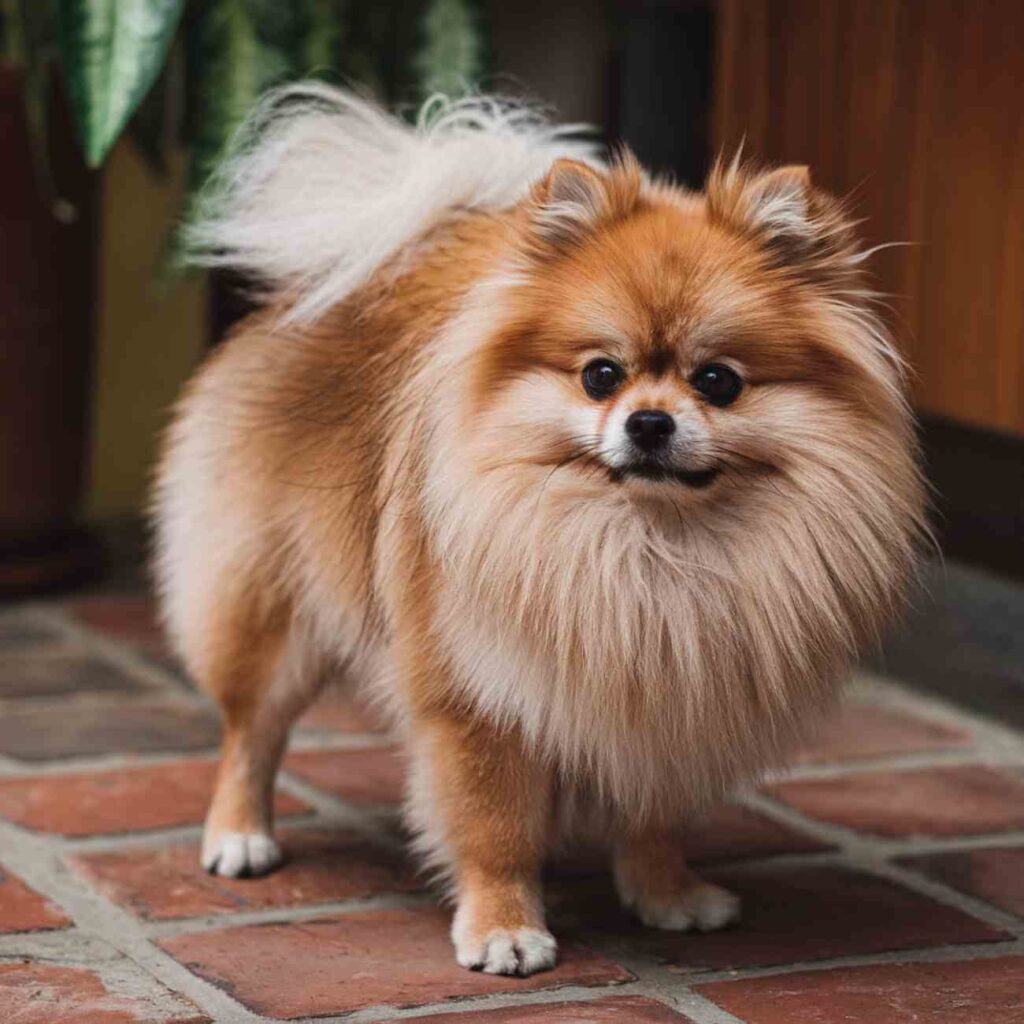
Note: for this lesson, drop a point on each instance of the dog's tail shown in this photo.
(322, 187)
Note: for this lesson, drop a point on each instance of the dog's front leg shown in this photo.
(482, 806)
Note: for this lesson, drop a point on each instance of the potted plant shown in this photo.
(76, 75)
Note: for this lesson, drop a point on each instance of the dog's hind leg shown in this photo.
(257, 672)
(653, 881)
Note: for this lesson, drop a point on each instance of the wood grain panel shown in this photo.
(914, 109)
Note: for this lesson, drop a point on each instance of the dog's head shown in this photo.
(691, 348)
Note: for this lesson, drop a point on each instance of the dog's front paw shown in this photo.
(702, 906)
(520, 951)
(240, 854)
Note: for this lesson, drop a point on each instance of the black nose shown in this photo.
(650, 428)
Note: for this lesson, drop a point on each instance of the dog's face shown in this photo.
(685, 347)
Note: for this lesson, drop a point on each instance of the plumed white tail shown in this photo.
(323, 187)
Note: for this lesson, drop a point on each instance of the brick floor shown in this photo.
(104, 922)
(144, 726)
(975, 992)
(22, 675)
(321, 867)
(22, 910)
(122, 800)
(995, 875)
(733, 832)
(371, 775)
(790, 914)
(610, 1010)
(47, 994)
(942, 801)
(861, 732)
(127, 617)
(23, 634)
(278, 969)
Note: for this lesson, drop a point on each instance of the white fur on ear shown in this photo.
(798, 225)
(779, 202)
(569, 202)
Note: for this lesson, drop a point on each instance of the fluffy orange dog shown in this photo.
(597, 483)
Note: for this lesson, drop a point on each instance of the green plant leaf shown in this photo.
(112, 52)
(322, 36)
(451, 56)
(235, 51)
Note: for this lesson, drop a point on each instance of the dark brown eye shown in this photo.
(717, 383)
(602, 377)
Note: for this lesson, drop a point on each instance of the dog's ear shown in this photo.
(797, 225)
(574, 199)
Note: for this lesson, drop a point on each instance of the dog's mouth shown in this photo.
(696, 478)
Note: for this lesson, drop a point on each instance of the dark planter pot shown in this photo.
(47, 252)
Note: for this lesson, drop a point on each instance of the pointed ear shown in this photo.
(797, 224)
(568, 203)
(574, 198)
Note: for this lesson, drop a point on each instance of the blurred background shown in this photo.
(113, 112)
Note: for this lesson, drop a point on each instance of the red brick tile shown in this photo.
(136, 726)
(733, 832)
(613, 1010)
(339, 964)
(23, 910)
(367, 776)
(166, 883)
(126, 800)
(729, 832)
(44, 994)
(859, 732)
(341, 714)
(973, 992)
(129, 618)
(995, 875)
(52, 675)
(789, 915)
(961, 800)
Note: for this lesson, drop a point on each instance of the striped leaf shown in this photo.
(112, 52)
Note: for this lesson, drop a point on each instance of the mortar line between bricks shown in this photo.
(372, 822)
(989, 734)
(889, 847)
(949, 953)
(499, 1000)
(38, 862)
(180, 835)
(120, 652)
(939, 891)
(680, 996)
(902, 763)
(13, 768)
(156, 930)
(865, 853)
(106, 698)
(176, 835)
(662, 984)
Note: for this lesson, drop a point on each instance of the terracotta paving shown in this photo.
(882, 879)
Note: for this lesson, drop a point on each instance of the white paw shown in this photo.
(240, 854)
(522, 951)
(703, 906)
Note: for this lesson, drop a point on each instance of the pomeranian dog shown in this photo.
(596, 483)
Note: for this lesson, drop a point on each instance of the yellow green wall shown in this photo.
(150, 333)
